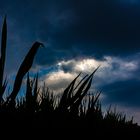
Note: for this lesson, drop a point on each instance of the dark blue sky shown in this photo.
(78, 34)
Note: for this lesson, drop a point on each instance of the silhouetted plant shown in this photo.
(2, 59)
(24, 68)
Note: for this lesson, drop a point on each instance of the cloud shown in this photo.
(117, 77)
(129, 2)
(89, 28)
(71, 28)
(83, 65)
(112, 68)
(58, 81)
(123, 92)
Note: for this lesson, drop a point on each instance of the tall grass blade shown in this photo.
(3, 56)
(75, 105)
(28, 92)
(24, 68)
(67, 93)
(82, 87)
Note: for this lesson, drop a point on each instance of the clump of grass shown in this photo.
(24, 67)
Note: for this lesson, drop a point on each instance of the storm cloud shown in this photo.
(116, 78)
(73, 28)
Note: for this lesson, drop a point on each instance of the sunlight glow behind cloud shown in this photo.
(112, 69)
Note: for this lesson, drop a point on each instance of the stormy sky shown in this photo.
(78, 36)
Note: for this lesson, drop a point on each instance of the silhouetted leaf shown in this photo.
(3, 56)
(24, 68)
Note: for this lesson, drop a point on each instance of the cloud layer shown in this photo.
(116, 77)
(71, 28)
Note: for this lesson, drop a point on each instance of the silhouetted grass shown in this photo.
(40, 108)
(2, 59)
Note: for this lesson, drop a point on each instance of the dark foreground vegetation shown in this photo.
(41, 109)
